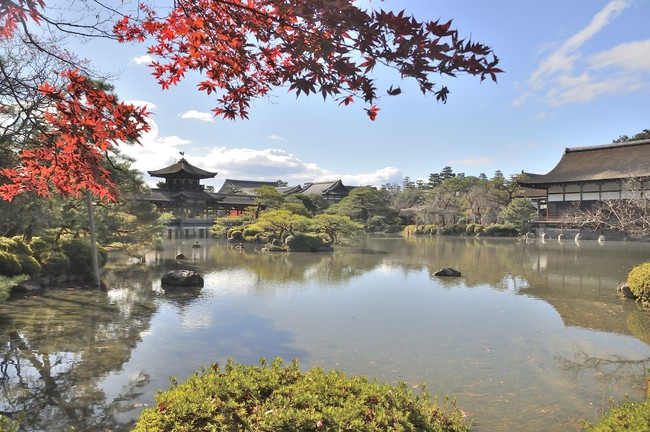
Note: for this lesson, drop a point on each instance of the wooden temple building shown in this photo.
(587, 175)
(194, 208)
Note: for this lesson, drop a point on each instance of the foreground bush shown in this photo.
(630, 417)
(275, 398)
(7, 425)
(638, 279)
(9, 264)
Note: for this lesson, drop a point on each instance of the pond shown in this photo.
(533, 336)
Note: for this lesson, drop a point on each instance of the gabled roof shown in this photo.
(597, 163)
(325, 188)
(288, 190)
(244, 186)
(182, 168)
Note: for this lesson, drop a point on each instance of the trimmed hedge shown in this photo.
(306, 243)
(276, 398)
(638, 279)
(9, 264)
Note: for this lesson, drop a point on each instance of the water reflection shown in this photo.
(55, 347)
(533, 336)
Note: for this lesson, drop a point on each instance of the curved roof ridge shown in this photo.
(180, 166)
(606, 146)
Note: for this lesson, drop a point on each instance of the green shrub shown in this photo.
(55, 263)
(6, 284)
(29, 265)
(235, 235)
(473, 229)
(79, 252)
(7, 425)
(423, 229)
(39, 247)
(305, 243)
(277, 398)
(9, 264)
(451, 230)
(630, 417)
(14, 245)
(638, 279)
(21, 246)
(250, 232)
(499, 230)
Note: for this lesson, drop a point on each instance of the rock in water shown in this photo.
(185, 278)
(626, 291)
(447, 271)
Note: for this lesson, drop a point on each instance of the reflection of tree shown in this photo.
(56, 347)
(281, 267)
(625, 373)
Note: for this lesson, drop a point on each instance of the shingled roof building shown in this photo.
(244, 186)
(333, 191)
(586, 175)
(194, 209)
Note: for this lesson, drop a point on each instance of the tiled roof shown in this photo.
(325, 188)
(288, 190)
(182, 167)
(235, 199)
(244, 186)
(597, 163)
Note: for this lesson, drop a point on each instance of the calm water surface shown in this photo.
(532, 337)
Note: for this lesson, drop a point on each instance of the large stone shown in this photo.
(626, 291)
(28, 286)
(447, 272)
(183, 278)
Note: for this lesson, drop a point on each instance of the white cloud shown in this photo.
(143, 59)
(566, 76)
(155, 151)
(276, 138)
(377, 178)
(150, 105)
(625, 56)
(197, 115)
(268, 164)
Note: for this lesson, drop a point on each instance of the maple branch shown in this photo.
(245, 48)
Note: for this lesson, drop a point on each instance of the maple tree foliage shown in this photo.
(57, 125)
(82, 126)
(244, 48)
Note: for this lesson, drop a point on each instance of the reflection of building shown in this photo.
(194, 208)
(586, 175)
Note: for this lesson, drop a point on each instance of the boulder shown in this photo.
(28, 286)
(626, 291)
(447, 271)
(182, 278)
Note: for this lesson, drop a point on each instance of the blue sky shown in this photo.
(577, 73)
